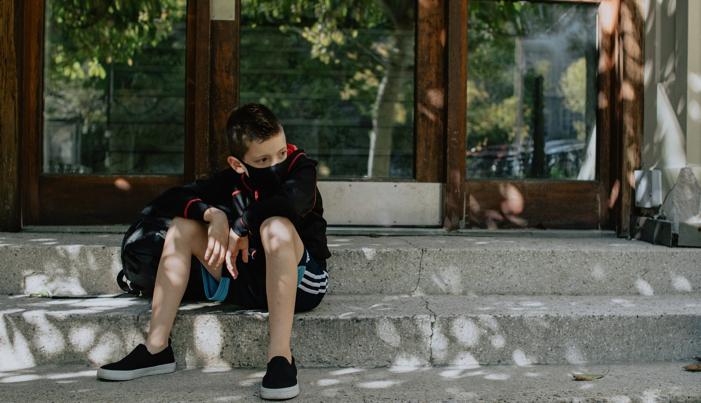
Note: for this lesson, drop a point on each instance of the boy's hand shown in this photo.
(236, 244)
(217, 237)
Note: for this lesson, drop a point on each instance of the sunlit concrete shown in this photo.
(516, 263)
(657, 382)
(405, 333)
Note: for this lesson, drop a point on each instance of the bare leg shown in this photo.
(183, 239)
(283, 250)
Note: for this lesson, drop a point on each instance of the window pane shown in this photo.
(114, 96)
(531, 90)
(339, 76)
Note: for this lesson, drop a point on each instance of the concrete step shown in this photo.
(532, 263)
(638, 383)
(365, 330)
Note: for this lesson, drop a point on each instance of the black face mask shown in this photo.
(268, 178)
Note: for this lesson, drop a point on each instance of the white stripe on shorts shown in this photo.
(307, 290)
(312, 280)
(316, 276)
(318, 285)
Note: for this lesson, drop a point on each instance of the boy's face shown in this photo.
(262, 155)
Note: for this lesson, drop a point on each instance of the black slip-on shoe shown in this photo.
(280, 380)
(139, 363)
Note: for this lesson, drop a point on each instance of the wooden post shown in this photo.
(607, 115)
(431, 36)
(631, 67)
(224, 90)
(10, 212)
(10, 217)
(197, 162)
(456, 119)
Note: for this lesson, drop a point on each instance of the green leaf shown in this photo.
(588, 377)
(41, 294)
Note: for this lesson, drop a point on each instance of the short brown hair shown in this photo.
(247, 123)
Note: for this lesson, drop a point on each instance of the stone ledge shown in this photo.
(87, 264)
(370, 330)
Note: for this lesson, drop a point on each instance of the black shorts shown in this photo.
(248, 289)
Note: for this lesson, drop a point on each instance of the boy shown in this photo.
(248, 227)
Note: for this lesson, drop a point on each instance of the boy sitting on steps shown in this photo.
(259, 237)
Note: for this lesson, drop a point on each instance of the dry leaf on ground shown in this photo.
(693, 368)
(588, 377)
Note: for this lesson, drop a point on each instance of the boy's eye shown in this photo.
(262, 160)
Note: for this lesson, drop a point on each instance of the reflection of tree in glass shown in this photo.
(88, 33)
(573, 88)
(115, 70)
(359, 65)
(509, 45)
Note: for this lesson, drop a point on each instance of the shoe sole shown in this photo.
(113, 375)
(280, 393)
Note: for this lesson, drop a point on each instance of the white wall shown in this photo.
(672, 112)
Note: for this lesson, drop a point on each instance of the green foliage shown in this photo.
(319, 66)
(496, 30)
(86, 35)
(115, 73)
(573, 87)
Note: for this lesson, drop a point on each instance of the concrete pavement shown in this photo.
(659, 383)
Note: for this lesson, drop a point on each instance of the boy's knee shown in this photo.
(183, 227)
(277, 233)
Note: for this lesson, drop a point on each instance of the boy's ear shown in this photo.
(236, 165)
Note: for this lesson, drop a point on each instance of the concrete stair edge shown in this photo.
(368, 330)
(83, 264)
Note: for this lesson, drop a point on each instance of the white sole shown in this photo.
(112, 375)
(279, 394)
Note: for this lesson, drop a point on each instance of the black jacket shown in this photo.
(247, 205)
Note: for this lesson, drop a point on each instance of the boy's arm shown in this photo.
(296, 198)
(192, 200)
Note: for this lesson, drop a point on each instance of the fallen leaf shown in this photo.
(588, 377)
(693, 368)
(41, 294)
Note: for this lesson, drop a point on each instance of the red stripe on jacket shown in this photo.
(188, 206)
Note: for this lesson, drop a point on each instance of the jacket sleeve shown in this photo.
(193, 199)
(294, 200)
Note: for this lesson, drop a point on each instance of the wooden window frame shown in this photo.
(98, 199)
(605, 203)
(440, 116)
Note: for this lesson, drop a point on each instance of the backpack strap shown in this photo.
(126, 287)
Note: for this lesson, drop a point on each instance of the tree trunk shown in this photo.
(538, 166)
(387, 94)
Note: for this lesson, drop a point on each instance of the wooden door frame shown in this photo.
(440, 114)
(10, 89)
(619, 134)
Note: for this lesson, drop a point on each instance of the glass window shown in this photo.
(114, 96)
(339, 76)
(531, 90)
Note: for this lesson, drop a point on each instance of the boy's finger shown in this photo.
(243, 244)
(222, 257)
(244, 254)
(230, 265)
(215, 254)
(210, 247)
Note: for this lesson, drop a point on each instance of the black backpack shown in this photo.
(142, 247)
